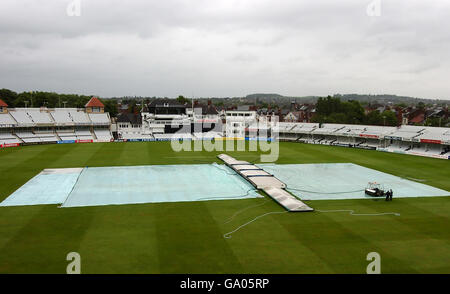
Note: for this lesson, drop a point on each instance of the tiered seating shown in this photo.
(352, 130)
(8, 138)
(39, 117)
(288, 136)
(84, 135)
(28, 137)
(304, 128)
(7, 120)
(62, 117)
(67, 135)
(407, 132)
(402, 147)
(343, 140)
(135, 136)
(47, 137)
(328, 129)
(284, 127)
(103, 135)
(99, 118)
(434, 149)
(79, 117)
(345, 131)
(371, 143)
(173, 136)
(377, 130)
(207, 135)
(440, 134)
(21, 117)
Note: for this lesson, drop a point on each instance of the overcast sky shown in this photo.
(226, 48)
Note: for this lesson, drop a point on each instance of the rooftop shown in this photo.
(94, 102)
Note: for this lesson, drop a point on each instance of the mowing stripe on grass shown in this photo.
(350, 256)
(122, 237)
(307, 243)
(192, 243)
(51, 232)
(15, 176)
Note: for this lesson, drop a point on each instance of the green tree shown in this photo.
(8, 96)
(374, 118)
(389, 118)
(110, 106)
(183, 100)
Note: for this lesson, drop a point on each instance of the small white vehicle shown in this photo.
(375, 189)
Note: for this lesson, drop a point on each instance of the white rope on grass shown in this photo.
(244, 209)
(228, 197)
(352, 212)
(228, 235)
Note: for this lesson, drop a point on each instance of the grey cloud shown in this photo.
(226, 47)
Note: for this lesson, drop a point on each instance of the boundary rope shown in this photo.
(228, 197)
(352, 212)
(242, 210)
(228, 235)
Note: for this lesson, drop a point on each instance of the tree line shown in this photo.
(52, 100)
(333, 110)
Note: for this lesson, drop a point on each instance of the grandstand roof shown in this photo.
(94, 102)
(132, 118)
(165, 102)
(205, 109)
(3, 104)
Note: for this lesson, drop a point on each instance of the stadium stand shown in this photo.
(22, 117)
(439, 134)
(328, 129)
(6, 120)
(40, 117)
(67, 135)
(207, 135)
(415, 140)
(407, 132)
(47, 137)
(99, 118)
(28, 137)
(173, 136)
(68, 125)
(103, 135)
(53, 125)
(83, 134)
(8, 138)
(79, 117)
(62, 117)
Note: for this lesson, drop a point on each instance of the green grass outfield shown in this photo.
(188, 237)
